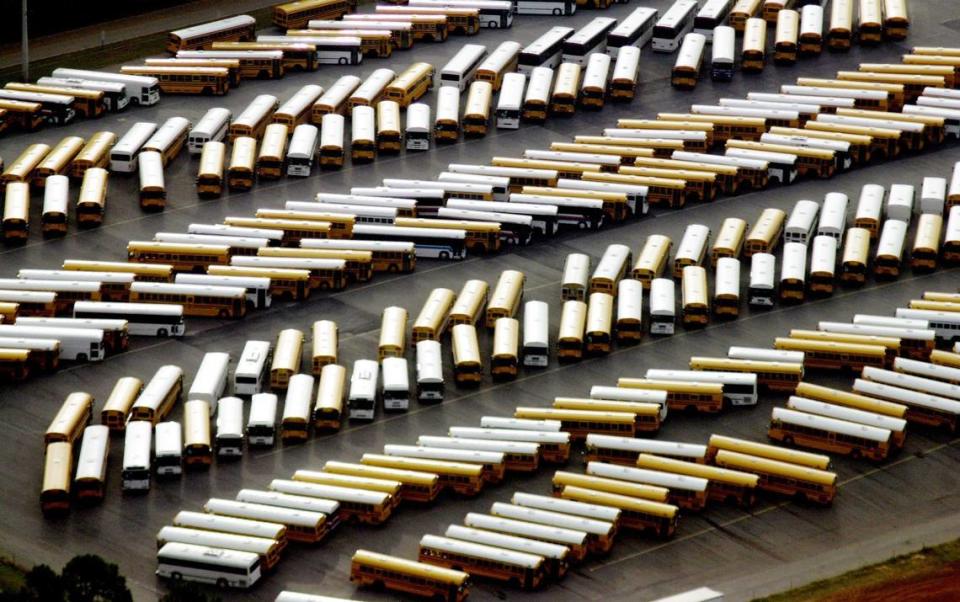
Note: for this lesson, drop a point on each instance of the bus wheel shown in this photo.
(342, 61)
(162, 332)
(223, 313)
(176, 576)
(81, 357)
(393, 268)
(788, 440)
(583, 225)
(557, 12)
(493, 25)
(444, 255)
(222, 583)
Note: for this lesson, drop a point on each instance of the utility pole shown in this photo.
(24, 45)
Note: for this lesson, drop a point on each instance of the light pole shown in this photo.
(24, 45)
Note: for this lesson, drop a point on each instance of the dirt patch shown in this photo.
(942, 584)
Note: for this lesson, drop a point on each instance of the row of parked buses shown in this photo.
(225, 270)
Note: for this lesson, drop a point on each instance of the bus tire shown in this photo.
(493, 25)
(444, 255)
(207, 91)
(223, 314)
(558, 12)
(788, 440)
(222, 583)
(81, 357)
(176, 576)
(342, 61)
(162, 332)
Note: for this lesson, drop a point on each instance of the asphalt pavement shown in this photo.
(880, 510)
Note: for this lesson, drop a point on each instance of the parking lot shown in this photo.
(881, 509)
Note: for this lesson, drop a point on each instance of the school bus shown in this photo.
(296, 15)
(411, 84)
(415, 578)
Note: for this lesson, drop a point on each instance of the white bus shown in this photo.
(250, 374)
(504, 422)
(214, 126)
(123, 155)
(417, 132)
(272, 236)
(363, 133)
(302, 154)
(461, 70)
(535, 351)
(913, 382)
(869, 207)
(739, 388)
(494, 14)
(811, 29)
(933, 194)
(676, 22)
(608, 393)
(545, 51)
(829, 410)
(723, 57)
(823, 264)
(833, 217)
(137, 456)
(726, 287)
(208, 565)
(593, 88)
(262, 421)
(889, 256)
(77, 344)
(229, 524)
(114, 94)
(760, 354)
(900, 202)
(362, 399)
(945, 323)
(801, 223)
(331, 141)
(712, 14)
(143, 319)
(793, 272)
(556, 8)
(396, 384)
(211, 379)
(141, 90)
(229, 437)
(430, 387)
(636, 29)
(168, 448)
(510, 101)
(90, 480)
(576, 277)
(257, 289)
(168, 139)
(692, 249)
(498, 185)
(935, 371)
(590, 38)
(629, 323)
(297, 408)
(626, 73)
(663, 306)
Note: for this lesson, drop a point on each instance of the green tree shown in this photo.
(42, 584)
(188, 592)
(89, 578)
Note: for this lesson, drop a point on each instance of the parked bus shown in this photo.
(840, 33)
(253, 120)
(411, 84)
(786, 38)
(686, 69)
(269, 165)
(675, 22)
(416, 578)
(296, 15)
(238, 28)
